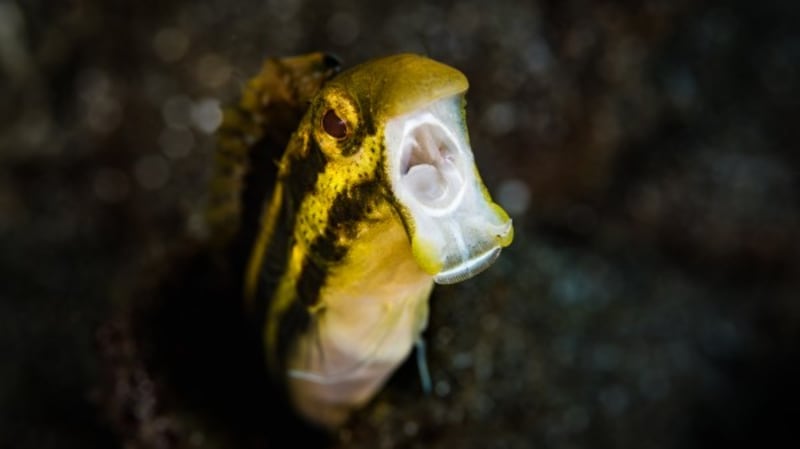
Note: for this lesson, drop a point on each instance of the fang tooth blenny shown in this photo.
(375, 198)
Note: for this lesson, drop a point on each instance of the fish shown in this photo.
(374, 200)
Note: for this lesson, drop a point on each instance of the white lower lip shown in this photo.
(468, 268)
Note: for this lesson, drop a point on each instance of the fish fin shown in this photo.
(422, 365)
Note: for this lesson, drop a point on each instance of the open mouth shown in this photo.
(456, 230)
(430, 168)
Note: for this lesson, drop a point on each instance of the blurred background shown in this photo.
(647, 152)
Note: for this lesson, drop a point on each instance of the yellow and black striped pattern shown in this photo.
(337, 257)
(330, 191)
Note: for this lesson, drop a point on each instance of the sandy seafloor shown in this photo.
(647, 152)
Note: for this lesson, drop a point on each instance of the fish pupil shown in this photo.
(334, 125)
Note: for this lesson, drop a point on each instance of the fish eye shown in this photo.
(334, 125)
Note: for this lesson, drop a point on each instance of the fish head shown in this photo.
(401, 120)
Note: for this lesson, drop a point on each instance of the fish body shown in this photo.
(376, 198)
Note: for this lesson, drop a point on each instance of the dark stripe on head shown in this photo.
(258, 185)
(352, 145)
(369, 123)
(300, 181)
(273, 265)
(298, 79)
(348, 209)
(304, 170)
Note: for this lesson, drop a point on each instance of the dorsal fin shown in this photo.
(252, 138)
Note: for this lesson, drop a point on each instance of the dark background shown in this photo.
(647, 152)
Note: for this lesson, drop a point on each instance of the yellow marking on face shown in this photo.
(284, 295)
(339, 175)
(377, 286)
